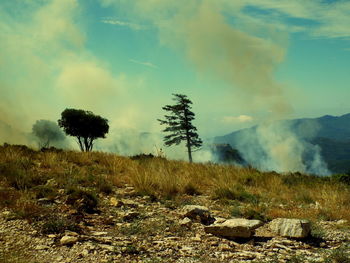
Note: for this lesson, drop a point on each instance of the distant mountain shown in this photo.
(330, 133)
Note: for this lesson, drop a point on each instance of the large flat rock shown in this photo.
(234, 228)
(293, 228)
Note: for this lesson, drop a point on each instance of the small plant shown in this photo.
(339, 255)
(342, 178)
(104, 186)
(131, 250)
(236, 193)
(57, 225)
(82, 200)
(27, 209)
(254, 214)
(317, 232)
(45, 191)
(236, 212)
(191, 189)
(131, 229)
(8, 197)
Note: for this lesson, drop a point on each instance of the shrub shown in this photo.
(237, 193)
(29, 210)
(8, 197)
(57, 225)
(44, 191)
(82, 200)
(191, 189)
(104, 186)
(342, 178)
(339, 255)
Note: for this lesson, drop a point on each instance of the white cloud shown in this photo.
(326, 20)
(122, 23)
(235, 119)
(147, 64)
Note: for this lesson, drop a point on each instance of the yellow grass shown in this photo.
(277, 195)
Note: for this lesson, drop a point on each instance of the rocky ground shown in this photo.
(131, 228)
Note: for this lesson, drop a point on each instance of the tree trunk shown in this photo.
(188, 139)
(80, 144)
(189, 151)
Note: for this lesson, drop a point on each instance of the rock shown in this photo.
(98, 234)
(220, 220)
(113, 201)
(42, 247)
(342, 222)
(70, 233)
(293, 228)
(185, 222)
(68, 240)
(198, 213)
(234, 228)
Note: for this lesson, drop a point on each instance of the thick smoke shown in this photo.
(48, 133)
(246, 63)
(279, 147)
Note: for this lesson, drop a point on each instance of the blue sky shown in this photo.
(240, 61)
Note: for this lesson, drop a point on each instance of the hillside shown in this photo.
(331, 133)
(58, 206)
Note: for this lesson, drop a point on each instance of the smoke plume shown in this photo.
(246, 63)
(48, 134)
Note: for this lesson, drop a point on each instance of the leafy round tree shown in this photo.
(179, 124)
(83, 125)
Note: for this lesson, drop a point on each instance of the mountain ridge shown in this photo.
(330, 133)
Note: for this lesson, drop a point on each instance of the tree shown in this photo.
(47, 131)
(83, 125)
(179, 124)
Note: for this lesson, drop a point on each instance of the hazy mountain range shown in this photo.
(330, 133)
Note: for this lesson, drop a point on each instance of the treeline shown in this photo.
(86, 127)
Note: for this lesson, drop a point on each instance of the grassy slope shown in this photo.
(24, 174)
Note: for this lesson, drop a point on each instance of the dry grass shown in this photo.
(275, 195)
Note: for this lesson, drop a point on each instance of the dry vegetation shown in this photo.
(25, 176)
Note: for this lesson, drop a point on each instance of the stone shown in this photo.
(68, 240)
(185, 222)
(342, 222)
(70, 233)
(198, 213)
(292, 228)
(113, 201)
(98, 234)
(42, 247)
(234, 228)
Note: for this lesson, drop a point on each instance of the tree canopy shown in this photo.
(179, 124)
(84, 125)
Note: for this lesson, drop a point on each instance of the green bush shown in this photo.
(342, 178)
(44, 191)
(57, 225)
(191, 189)
(82, 200)
(237, 193)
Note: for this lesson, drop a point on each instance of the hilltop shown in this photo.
(66, 206)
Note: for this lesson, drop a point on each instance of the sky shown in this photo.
(241, 62)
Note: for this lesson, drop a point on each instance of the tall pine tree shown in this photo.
(179, 124)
